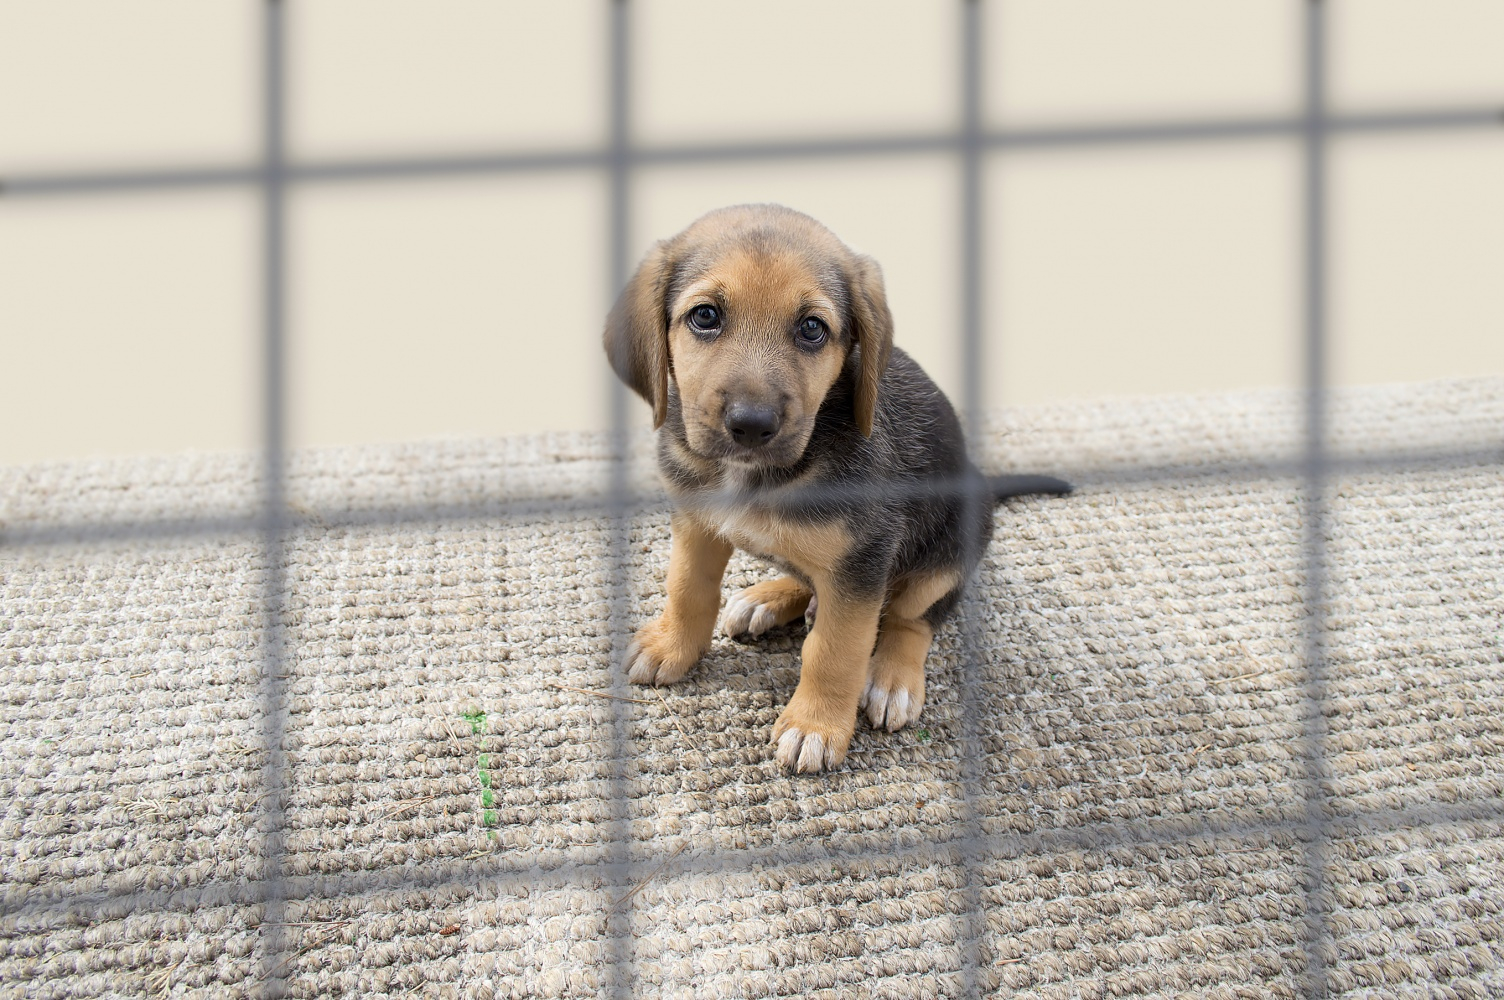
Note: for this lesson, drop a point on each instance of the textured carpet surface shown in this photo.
(1116, 806)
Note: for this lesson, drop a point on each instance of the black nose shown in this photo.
(750, 424)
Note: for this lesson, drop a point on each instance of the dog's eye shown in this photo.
(705, 318)
(813, 331)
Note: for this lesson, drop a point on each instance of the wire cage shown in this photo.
(619, 867)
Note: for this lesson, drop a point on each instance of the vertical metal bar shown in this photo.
(273, 515)
(971, 217)
(1314, 514)
(620, 968)
(973, 501)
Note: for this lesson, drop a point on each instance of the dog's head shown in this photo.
(751, 313)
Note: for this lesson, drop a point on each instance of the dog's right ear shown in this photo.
(637, 331)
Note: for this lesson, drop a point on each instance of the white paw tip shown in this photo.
(898, 710)
(788, 747)
(812, 754)
(639, 665)
(890, 710)
(738, 617)
(762, 620)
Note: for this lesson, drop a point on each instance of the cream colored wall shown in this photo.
(129, 322)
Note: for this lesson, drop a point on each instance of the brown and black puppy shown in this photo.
(789, 426)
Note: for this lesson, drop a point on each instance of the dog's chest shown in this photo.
(756, 531)
(813, 549)
(726, 503)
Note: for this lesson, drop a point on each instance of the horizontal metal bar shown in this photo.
(147, 180)
(449, 166)
(597, 868)
(1054, 137)
(482, 164)
(607, 504)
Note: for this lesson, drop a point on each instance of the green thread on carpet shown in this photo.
(483, 772)
(487, 797)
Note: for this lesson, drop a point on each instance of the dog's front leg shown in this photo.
(814, 731)
(664, 649)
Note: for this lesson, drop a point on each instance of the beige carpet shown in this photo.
(1136, 826)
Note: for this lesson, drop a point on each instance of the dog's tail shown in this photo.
(1003, 487)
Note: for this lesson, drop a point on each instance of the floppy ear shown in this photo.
(873, 331)
(637, 332)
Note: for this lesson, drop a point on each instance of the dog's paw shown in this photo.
(744, 616)
(764, 606)
(808, 743)
(659, 655)
(894, 695)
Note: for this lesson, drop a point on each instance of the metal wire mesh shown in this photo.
(971, 144)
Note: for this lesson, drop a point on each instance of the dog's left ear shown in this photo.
(637, 331)
(873, 332)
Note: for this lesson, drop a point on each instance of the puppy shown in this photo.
(791, 427)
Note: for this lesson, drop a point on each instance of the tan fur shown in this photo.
(634, 333)
(785, 599)
(755, 357)
(663, 650)
(895, 677)
(912, 596)
(810, 548)
(894, 695)
(873, 317)
(815, 729)
(646, 343)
